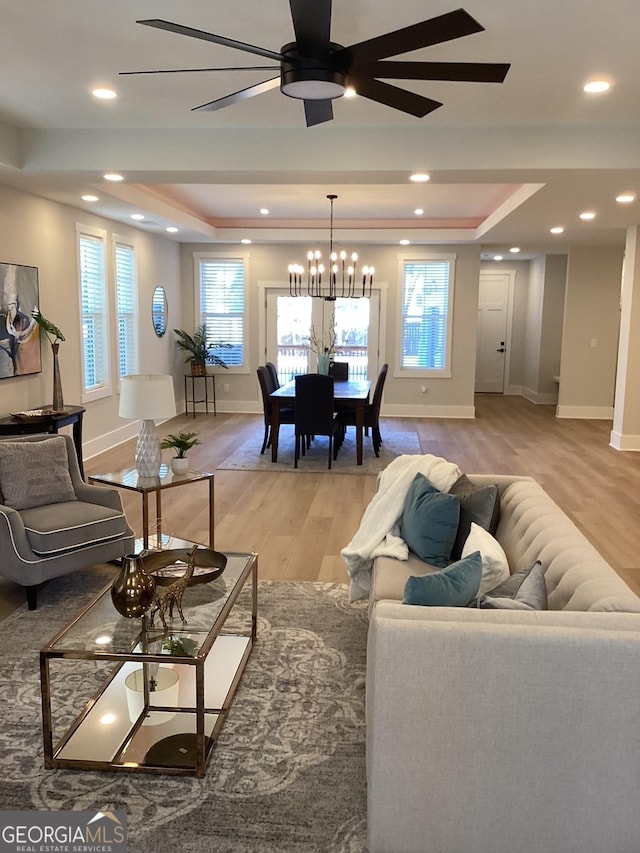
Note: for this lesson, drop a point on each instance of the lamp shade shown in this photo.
(147, 396)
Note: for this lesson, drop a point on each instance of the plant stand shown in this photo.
(191, 400)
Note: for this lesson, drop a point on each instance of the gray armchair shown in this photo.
(51, 521)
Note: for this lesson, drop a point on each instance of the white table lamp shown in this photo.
(147, 397)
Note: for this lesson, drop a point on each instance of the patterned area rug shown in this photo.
(396, 442)
(288, 771)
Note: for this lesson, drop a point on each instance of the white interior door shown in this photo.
(493, 334)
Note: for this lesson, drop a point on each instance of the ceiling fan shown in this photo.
(316, 70)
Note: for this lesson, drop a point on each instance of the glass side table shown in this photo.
(146, 486)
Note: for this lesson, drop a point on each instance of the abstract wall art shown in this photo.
(19, 332)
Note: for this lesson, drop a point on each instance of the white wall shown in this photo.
(41, 233)
(590, 332)
(403, 396)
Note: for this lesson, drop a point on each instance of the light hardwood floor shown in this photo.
(298, 521)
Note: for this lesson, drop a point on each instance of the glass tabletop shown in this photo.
(99, 630)
(130, 479)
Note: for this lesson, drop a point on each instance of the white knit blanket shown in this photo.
(378, 533)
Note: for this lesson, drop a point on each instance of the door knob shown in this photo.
(500, 350)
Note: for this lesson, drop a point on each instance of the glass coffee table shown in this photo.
(121, 695)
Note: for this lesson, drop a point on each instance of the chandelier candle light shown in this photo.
(342, 279)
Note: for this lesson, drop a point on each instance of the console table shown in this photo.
(192, 400)
(130, 480)
(72, 415)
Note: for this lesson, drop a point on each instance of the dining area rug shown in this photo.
(396, 441)
(288, 771)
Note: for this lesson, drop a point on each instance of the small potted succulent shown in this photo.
(180, 443)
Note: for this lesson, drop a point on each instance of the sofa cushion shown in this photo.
(454, 586)
(479, 504)
(62, 527)
(35, 473)
(495, 567)
(524, 590)
(429, 521)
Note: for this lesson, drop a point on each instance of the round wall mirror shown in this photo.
(159, 311)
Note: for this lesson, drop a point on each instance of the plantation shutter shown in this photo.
(95, 349)
(425, 314)
(222, 307)
(126, 307)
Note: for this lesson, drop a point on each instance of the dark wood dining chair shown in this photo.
(273, 373)
(286, 412)
(314, 414)
(340, 371)
(347, 417)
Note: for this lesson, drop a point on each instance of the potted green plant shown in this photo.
(198, 349)
(181, 443)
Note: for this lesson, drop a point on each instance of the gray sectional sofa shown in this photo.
(507, 731)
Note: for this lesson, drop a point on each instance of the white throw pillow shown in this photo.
(495, 567)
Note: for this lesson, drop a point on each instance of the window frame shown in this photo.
(443, 372)
(243, 258)
(104, 388)
(126, 243)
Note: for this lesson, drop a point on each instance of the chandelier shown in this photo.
(341, 279)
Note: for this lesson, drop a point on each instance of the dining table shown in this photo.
(353, 393)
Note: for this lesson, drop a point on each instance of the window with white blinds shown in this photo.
(427, 291)
(93, 306)
(126, 308)
(222, 306)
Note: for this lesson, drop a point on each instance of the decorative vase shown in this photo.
(179, 464)
(57, 403)
(323, 363)
(133, 589)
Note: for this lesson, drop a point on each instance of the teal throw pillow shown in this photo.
(429, 521)
(454, 586)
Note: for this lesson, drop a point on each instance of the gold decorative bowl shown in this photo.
(168, 566)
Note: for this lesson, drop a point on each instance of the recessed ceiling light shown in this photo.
(107, 719)
(171, 229)
(515, 249)
(625, 198)
(419, 177)
(350, 92)
(103, 640)
(497, 257)
(264, 211)
(405, 242)
(245, 240)
(587, 215)
(104, 94)
(418, 211)
(137, 216)
(89, 198)
(113, 176)
(597, 87)
(557, 229)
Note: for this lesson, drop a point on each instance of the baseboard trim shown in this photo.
(399, 410)
(619, 441)
(593, 413)
(549, 399)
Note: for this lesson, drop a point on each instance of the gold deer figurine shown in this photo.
(168, 596)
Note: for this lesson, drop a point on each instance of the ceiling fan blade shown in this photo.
(312, 25)
(194, 70)
(170, 27)
(242, 95)
(317, 112)
(452, 25)
(392, 96)
(470, 72)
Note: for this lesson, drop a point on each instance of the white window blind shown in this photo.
(222, 306)
(426, 301)
(95, 344)
(126, 308)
